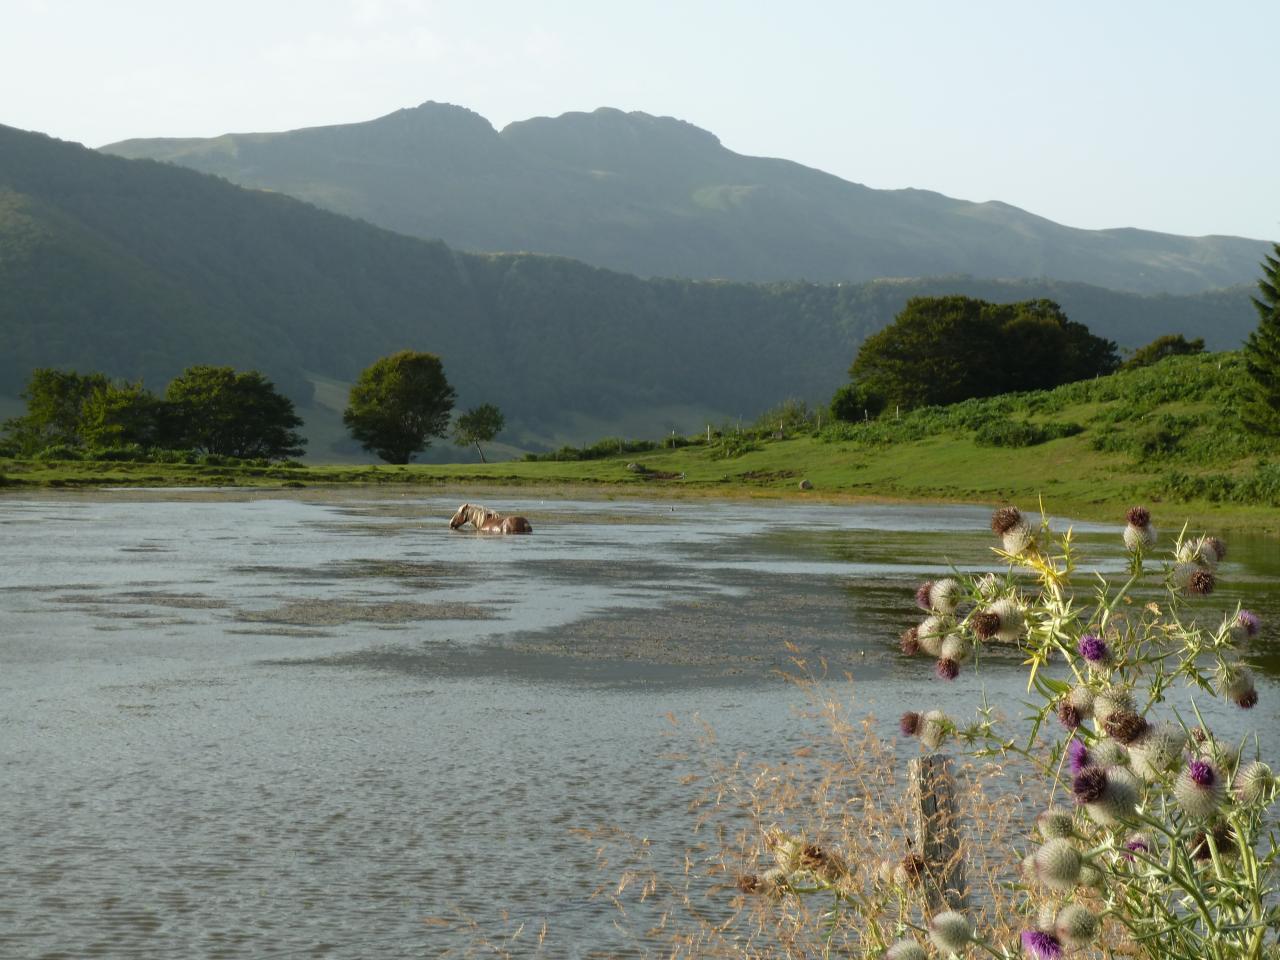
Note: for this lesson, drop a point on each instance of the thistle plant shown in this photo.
(1156, 839)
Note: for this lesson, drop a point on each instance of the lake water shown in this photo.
(323, 725)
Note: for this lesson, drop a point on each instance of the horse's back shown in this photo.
(516, 525)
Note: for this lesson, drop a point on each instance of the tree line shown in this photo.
(395, 408)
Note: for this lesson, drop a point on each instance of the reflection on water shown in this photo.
(238, 726)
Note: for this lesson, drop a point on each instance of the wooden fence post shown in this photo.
(937, 832)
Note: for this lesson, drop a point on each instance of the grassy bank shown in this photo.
(1164, 435)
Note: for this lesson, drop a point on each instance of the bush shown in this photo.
(1022, 433)
(60, 452)
(130, 452)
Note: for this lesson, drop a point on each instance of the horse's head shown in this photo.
(461, 517)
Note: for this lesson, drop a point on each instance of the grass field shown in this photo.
(1166, 434)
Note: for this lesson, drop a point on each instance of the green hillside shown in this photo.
(138, 269)
(655, 196)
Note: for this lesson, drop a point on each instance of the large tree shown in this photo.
(56, 403)
(233, 414)
(480, 424)
(1261, 410)
(398, 403)
(941, 350)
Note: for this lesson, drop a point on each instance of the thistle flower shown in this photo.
(1068, 715)
(985, 624)
(1077, 755)
(1056, 824)
(1138, 532)
(930, 633)
(988, 586)
(1135, 844)
(938, 596)
(1093, 648)
(954, 647)
(946, 668)
(1058, 864)
(1206, 551)
(1081, 697)
(1014, 532)
(1112, 700)
(772, 883)
(1235, 682)
(1125, 726)
(1089, 785)
(1249, 622)
(1108, 753)
(1191, 578)
(1009, 622)
(1091, 877)
(1118, 799)
(934, 727)
(906, 950)
(1158, 750)
(909, 642)
(1040, 945)
(1214, 546)
(950, 932)
(909, 723)
(1253, 783)
(1076, 925)
(1199, 789)
(786, 850)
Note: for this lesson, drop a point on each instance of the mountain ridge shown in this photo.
(658, 196)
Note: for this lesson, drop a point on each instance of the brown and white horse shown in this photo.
(488, 521)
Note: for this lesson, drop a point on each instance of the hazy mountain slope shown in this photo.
(138, 269)
(658, 197)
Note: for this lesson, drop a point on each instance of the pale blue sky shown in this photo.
(1160, 115)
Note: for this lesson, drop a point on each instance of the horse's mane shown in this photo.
(478, 514)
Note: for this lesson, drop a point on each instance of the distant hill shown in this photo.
(656, 196)
(138, 269)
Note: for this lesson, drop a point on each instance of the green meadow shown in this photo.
(1167, 434)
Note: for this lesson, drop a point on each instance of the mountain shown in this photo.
(656, 196)
(138, 269)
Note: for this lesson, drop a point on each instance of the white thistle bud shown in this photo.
(1159, 750)
(1081, 697)
(930, 633)
(1058, 864)
(943, 596)
(1118, 800)
(1135, 537)
(954, 647)
(1112, 700)
(933, 729)
(1012, 621)
(1108, 753)
(1254, 783)
(906, 950)
(1091, 877)
(1076, 925)
(1017, 538)
(950, 932)
(1056, 824)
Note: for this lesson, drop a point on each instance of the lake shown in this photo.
(323, 725)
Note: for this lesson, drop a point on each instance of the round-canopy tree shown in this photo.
(233, 414)
(482, 423)
(398, 403)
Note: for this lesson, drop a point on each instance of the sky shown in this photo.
(1160, 115)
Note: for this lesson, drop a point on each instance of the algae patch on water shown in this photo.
(333, 613)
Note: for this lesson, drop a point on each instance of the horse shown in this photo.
(488, 521)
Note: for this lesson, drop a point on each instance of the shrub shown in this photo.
(130, 452)
(1022, 433)
(60, 451)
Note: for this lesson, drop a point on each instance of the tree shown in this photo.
(1261, 409)
(124, 413)
(1170, 345)
(56, 401)
(233, 414)
(854, 402)
(482, 423)
(941, 350)
(397, 403)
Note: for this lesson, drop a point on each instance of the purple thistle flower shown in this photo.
(1137, 844)
(1068, 714)
(909, 723)
(947, 669)
(922, 595)
(1249, 621)
(1201, 773)
(1202, 583)
(1077, 755)
(1089, 785)
(1093, 648)
(1041, 945)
